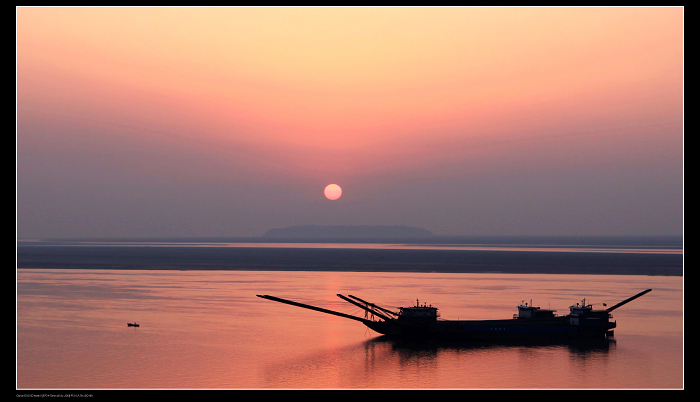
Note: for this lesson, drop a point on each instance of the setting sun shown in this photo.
(333, 191)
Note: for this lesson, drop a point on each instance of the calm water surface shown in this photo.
(208, 330)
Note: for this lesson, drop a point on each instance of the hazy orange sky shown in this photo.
(231, 121)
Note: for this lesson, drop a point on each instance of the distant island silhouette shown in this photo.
(346, 231)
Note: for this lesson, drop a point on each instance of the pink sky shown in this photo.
(231, 121)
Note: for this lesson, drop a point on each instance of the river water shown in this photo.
(206, 329)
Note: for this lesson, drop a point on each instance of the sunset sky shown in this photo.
(463, 121)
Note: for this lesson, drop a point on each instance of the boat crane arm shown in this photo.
(323, 310)
(373, 305)
(628, 300)
(375, 312)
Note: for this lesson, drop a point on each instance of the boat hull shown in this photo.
(557, 328)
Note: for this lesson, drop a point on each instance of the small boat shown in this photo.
(530, 324)
(128, 324)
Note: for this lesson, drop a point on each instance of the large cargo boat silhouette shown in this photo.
(529, 324)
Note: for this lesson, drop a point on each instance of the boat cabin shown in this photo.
(530, 311)
(583, 313)
(423, 312)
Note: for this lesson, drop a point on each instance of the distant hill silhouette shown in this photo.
(346, 231)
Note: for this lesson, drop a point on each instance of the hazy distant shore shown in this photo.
(347, 231)
(361, 260)
(644, 241)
